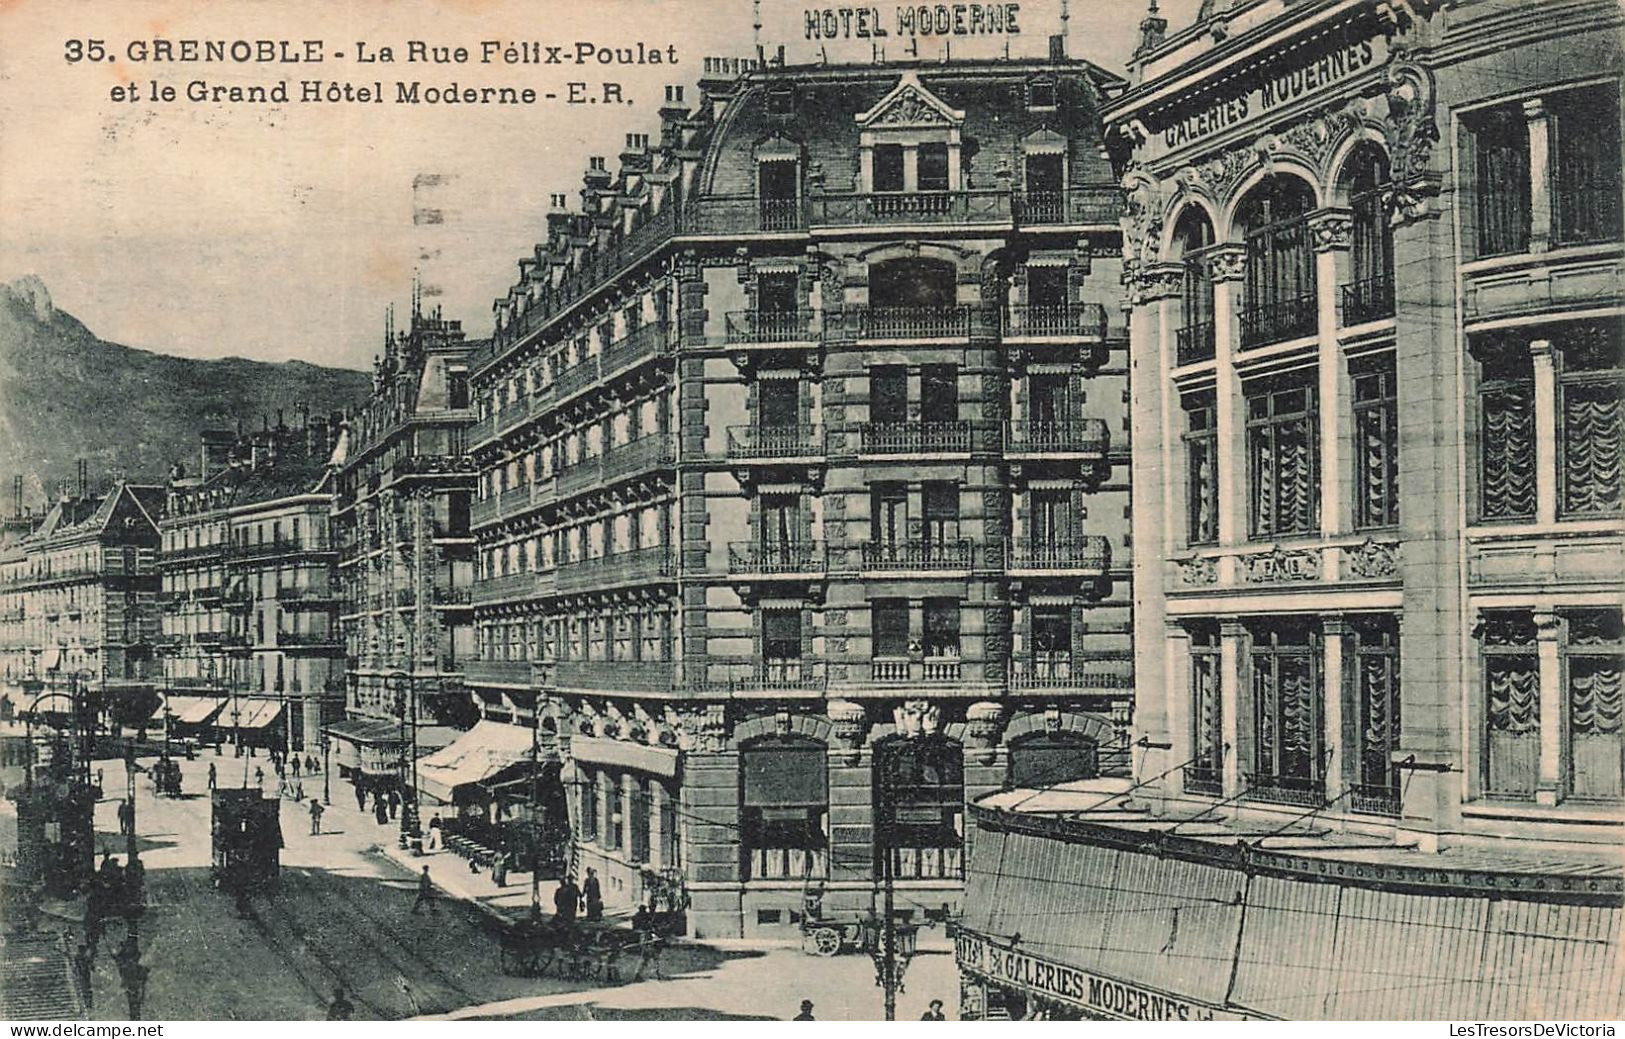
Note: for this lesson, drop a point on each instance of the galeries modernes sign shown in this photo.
(1096, 994)
(1257, 93)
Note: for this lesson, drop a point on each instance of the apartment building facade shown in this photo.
(251, 646)
(78, 600)
(802, 509)
(402, 482)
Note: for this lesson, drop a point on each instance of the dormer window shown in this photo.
(1041, 94)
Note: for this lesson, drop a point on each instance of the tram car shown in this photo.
(247, 831)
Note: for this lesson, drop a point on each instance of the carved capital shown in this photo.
(1227, 263)
(1331, 229)
(1162, 281)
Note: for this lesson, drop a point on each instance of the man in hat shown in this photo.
(806, 1011)
(935, 1013)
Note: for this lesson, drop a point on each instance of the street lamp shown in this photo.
(406, 701)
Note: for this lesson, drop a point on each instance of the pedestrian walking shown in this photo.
(126, 818)
(394, 803)
(935, 1013)
(311, 764)
(259, 777)
(83, 960)
(425, 892)
(341, 1009)
(499, 869)
(282, 788)
(360, 797)
(298, 788)
(565, 901)
(806, 1012)
(213, 779)
(315, 817)
(379, 811)
(593, 894)
(296, 766)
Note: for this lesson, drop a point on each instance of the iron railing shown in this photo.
(1201, 780)
(576, 378)
(910, 207)
(918, 554)
(1063, 320)
(770, 326)
(1278, 321)
(1285, 789)
(774, 441)
(1096, 205)
(1072, 436)
(1374, 799)
(1368, 300)
(645, 341)
(1092, 553)
(888, 322)
(783, 557)
(779, 214)
(903, 438)
(1195, 343)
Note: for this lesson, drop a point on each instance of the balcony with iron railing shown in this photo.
(1201, 780)
(959, 436)
(1090, 555)
(771, 326)
(516, 673)
(632, 566)
(652, 339)
(918, 555)
(1368, 799)
(649, 452)
(308, 639)
(1368, 300)
(1055, 321)
(758, 443)
(765, 678)
(896, 322)
(1088, 436)
(785, 558)
(1307, 791)
(884, 209)
(645, 676)
(575, 378)
(779, 214)
(507, 587)
(580, 477)
(1279, 321)
(1195, 343)
(1099, 205)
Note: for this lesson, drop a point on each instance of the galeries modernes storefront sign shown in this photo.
(1259, 92)
(1093, 992)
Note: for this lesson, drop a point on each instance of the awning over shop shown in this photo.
(365, 730)
(188, 710)
(250, 712)
(594, 750)
(477, 755)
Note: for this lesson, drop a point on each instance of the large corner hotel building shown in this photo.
(803, 481)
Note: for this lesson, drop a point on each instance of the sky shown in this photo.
(283, 231)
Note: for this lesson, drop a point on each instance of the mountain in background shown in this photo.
(66, 394)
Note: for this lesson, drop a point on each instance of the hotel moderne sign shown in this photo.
(1260, 92)
(1080, 988)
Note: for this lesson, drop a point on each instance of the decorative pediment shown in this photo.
(910, 105)
(777, 148)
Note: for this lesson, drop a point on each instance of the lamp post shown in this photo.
(405, 701)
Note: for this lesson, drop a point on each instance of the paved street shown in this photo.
(341, 915)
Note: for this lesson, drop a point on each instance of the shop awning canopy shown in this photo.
(249, 712)
(365, 730)
(188, 710)
(477, 755)
(595, 750)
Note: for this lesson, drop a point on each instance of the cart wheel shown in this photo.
(826, 941)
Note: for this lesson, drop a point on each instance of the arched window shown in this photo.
(784, 808)
(1280, 288)
(1370, 294)
(920, 807)
(1193, 236)
(1050, 758)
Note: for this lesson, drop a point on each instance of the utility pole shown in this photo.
(888, 927)
(535, 814)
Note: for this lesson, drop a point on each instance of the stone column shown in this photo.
(1227, 265)
(1332, 231)
(1549, 779)
(1545, 431)
(1177, 702)
(1232, 640)
(1334, 628)
(1540, 188)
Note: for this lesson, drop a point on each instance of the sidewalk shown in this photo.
(451, 874)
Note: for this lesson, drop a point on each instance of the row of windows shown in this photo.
(629, 531)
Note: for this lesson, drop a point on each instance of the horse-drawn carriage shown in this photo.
(579, 951)
(166, 777)
(247, 833)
